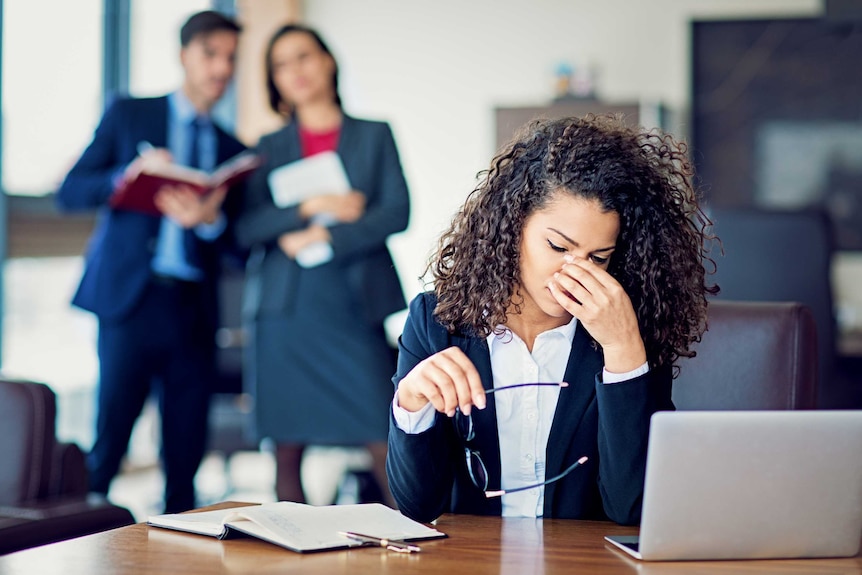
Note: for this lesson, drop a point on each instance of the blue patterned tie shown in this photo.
(194, 132)
(190, 241)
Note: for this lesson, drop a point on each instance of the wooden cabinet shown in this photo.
(508, 120)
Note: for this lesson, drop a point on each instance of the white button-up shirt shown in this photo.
(525, 414)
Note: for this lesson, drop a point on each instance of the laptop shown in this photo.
(750, 485)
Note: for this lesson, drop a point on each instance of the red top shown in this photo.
(316, 142)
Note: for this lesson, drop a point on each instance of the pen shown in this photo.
(399, 546)
(144, 146)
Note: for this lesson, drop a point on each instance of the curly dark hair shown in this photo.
(645, 177)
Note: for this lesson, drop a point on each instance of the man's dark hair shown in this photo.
(205, 23)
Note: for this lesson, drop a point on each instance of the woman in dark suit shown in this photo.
(577, 259)
(319, 360)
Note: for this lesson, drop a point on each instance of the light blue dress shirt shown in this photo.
(170, 257)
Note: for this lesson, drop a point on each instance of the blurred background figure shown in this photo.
(319, 363)
(151, 280)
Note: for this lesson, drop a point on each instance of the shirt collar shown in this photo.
(182, 109)
(567, 331)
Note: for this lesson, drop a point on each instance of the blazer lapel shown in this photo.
(584, 363)
(347, 141)
(487, 440)
(156, 125)
(287, 146)
(155, 131)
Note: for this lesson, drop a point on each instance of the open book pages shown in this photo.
(316, 175)
(234, 169)
(179, 174)
(300, 527)
(137, 193)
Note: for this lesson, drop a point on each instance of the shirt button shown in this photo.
(531, 416)
(529, 457)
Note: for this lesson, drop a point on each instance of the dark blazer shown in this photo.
(371, 161)
(123, 243)
(608, 423)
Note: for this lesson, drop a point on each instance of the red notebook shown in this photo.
(137, 193)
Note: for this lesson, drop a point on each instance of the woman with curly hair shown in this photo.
(576, 263)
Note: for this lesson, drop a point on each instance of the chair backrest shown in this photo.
(780, 255)
(27, 442)
(754, 355)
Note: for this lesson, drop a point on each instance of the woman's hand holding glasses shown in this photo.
(447, 379)
(451, 383)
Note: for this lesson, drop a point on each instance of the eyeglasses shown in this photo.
(476, 467)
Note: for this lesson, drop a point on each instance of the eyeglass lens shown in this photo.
(476, 468)
(475, 465)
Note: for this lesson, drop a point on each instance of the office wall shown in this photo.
(260, 19)
(436, 69)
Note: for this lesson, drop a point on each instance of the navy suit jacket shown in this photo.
(608, 423)
(371, 161)
(122, 246)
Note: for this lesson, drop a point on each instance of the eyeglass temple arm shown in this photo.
(500, 493)
(557, 384)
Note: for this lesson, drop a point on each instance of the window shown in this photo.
(52, 93)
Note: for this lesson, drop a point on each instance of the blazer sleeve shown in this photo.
(419, 466)
(387, 213)
(90, 182)
(261, 221)
(625, 409)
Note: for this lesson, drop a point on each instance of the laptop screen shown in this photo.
(752, 484)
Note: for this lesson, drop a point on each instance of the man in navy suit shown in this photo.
(151, 280)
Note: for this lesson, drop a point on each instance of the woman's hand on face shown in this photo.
(600, 303)
(447, 379)
(345, 208)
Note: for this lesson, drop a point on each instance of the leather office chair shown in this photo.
(755, 355)
(43, 482)
(782, 255)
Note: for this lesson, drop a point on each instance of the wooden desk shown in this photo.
(476, 546)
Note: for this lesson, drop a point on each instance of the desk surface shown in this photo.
(476, 546)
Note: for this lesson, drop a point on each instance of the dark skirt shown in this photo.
(319, 373)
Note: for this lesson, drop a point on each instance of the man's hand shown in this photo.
(147, 159)
(187, 208)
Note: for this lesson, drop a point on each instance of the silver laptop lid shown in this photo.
(746, 484)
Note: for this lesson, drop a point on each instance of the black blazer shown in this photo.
(122, 246)
(608, 423)
(371, 161)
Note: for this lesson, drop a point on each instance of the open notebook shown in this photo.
(300, 527)
(749, 485)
